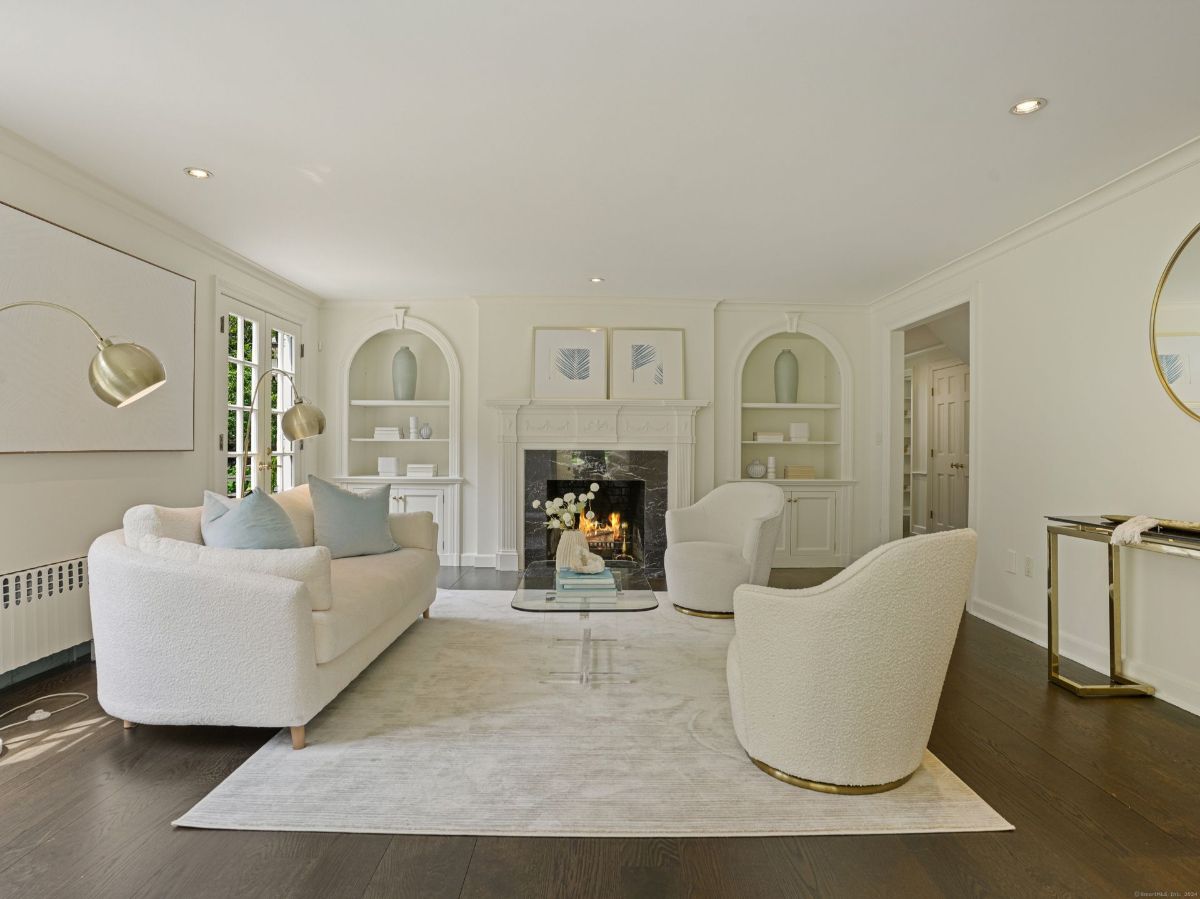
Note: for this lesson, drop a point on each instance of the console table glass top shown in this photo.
(536, 591)
(1160, 536)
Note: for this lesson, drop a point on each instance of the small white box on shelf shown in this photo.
(388, 466)
(798, 431)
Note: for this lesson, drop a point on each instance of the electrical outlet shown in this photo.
(1010, 561)
(1029, 566)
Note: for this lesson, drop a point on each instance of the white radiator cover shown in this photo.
(43, 610)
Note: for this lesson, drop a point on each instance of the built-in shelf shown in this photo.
(791, 405)
(401, 479)
(792, 481)
(791, 443)
(404, 403)
(401, 440)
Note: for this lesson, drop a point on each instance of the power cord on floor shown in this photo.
(40, 714)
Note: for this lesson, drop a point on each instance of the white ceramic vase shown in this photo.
(404, 374)
(570, 544)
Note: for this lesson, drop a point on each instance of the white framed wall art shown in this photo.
(647, 363)
(570, 363)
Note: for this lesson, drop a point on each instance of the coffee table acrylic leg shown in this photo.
(585, 672)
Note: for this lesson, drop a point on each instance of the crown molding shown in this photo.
(786, 305)
(1144, 176)
(598, 301)
(32, 156)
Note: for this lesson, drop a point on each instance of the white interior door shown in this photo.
(950, 458)
(251, 342)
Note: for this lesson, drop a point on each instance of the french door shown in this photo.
(251, 342)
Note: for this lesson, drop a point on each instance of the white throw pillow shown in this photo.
(309, 564)
(298, 505)
(161, 521)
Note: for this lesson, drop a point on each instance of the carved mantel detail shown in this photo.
(668, 425)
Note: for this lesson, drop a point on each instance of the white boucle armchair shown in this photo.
(726, 539)
(185, 643)
(835, 688)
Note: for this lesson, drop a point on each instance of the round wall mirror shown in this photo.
(1175, 326)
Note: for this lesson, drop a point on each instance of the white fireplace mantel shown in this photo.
(525, 423)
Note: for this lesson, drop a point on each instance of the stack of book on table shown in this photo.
(768, 436)
(799, 472)
(421, 470)
(387, 433)
(601, 585)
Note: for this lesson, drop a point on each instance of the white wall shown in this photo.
(53, 505)
(1071, 418)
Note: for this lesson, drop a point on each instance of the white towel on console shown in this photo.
(1131, 531)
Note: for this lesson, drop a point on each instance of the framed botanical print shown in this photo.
(647, 363)
(570, 363)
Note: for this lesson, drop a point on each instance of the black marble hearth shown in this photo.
(638, 476)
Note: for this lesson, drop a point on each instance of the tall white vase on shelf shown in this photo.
(787, 377)
(570, 544)
(404, 374)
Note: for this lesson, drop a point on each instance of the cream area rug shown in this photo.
(463, 727)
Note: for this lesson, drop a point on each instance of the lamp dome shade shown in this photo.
(123, 373)
(302, 421)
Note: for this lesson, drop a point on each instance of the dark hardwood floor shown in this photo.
(1104, 795)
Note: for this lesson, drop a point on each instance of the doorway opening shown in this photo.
(935, 447)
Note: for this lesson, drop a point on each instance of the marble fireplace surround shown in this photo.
(529, 424)
(647, 468)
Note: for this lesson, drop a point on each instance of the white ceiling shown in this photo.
(790, 150)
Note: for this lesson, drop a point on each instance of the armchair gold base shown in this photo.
(699, 614)
(821, 787)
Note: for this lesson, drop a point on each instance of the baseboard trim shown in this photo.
(478, 560)
(1178, 691)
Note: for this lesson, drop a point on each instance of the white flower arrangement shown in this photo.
(567, 511)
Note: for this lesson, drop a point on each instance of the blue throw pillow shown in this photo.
(349, 523)
(256, 522)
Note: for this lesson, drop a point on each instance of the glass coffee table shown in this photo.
(536, 593)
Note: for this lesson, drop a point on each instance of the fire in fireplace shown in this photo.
(617, 530)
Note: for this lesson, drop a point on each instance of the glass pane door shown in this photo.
(242, 365)
(255, 343)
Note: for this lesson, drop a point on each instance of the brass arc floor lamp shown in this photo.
(301, 421)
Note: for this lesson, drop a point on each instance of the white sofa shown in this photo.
(726, 539)
(835, 688)
(182, 643)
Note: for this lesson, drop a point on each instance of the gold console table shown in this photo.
(1099, 530)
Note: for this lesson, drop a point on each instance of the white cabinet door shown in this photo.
(814, 523)
(812, 526)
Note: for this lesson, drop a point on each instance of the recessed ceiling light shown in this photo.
(597, 280)
(1029, 106)
(198, 174)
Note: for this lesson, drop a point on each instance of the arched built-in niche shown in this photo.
(370, 401)
(823, 402)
